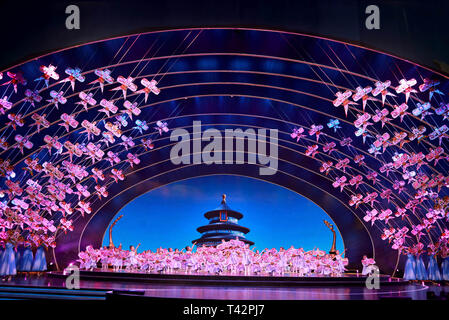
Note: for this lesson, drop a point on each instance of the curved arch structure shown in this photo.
(227, 79)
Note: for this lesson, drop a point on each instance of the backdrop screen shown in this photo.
(169, 216)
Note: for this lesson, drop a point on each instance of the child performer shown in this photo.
(366, 263)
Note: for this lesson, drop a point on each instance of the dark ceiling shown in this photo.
(414, 29)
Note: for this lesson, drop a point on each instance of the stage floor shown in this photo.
(230, 292)
(203, 278)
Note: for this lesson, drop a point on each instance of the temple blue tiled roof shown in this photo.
(223, 225)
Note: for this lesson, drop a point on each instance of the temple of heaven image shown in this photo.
(223, 225)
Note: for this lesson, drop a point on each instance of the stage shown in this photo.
(228, 279)
(324, 184)
(101, 285)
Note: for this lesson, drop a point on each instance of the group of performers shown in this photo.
(229, 257)
(415, 268)
(14, 259)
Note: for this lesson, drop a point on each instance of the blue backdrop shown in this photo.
(168, 216)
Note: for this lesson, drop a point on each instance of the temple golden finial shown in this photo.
(223, 198)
